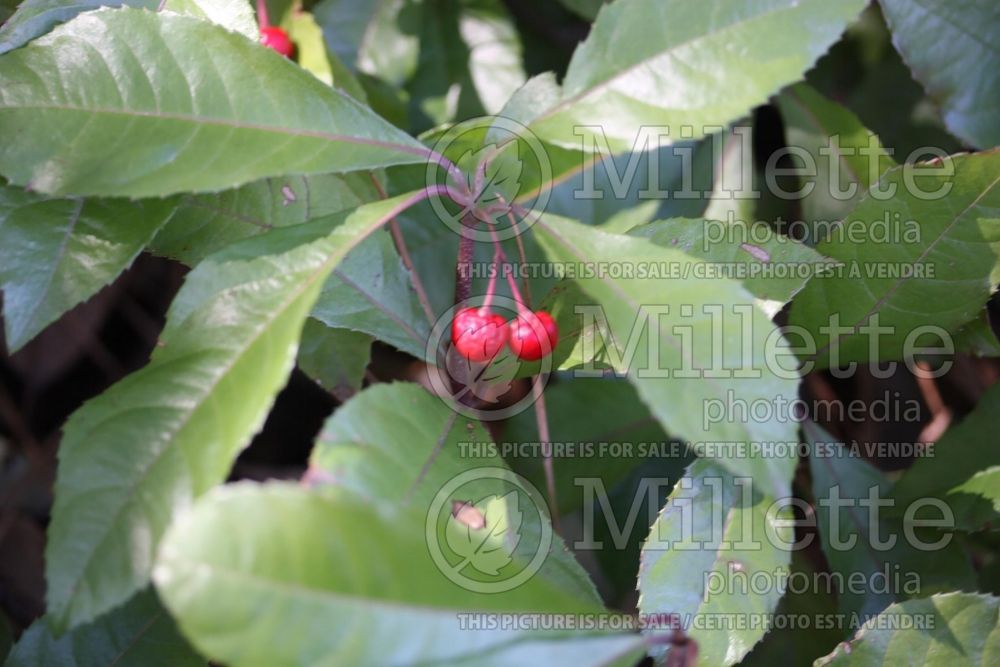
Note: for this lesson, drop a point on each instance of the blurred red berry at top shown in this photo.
(277, 39)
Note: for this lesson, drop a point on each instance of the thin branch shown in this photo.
(463, 264)
(525, 286)
(542, 418)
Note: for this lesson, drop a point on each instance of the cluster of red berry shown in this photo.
(479, 334)
(272, 36)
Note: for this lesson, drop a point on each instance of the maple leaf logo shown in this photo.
(485, 534)
(487, 381)
(495, 172)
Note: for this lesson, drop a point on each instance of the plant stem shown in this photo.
(525, 286)
(542, 419)
(262, 19)
(491, 287)
(499, 252)
(463, 264)
(404, 254)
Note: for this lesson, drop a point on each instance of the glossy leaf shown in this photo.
(452, 59)
(848, 157)
(770, 265)
(664, 341)
(952, 50)
(311, 576)
(949, 629)
(674, 64)
(34, 18)
(716, 529)
(370, 291)
(138, 634)
(908, 261)
(874, 548)
(204, 224)
(57, 253)
(398, 446)
(586, 434)
(164, 129)
(335, 358)
(142, 450)
(235, 15)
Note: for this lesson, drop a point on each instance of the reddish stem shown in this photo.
(262, 19)
(491, 287)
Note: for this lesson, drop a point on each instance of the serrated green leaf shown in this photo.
(583, 432)
(674, 64)
(204, 224)
(873, 548)
(652, 308)
(952, 50)
(948, 630)
(370, 291)
(143, 449)
(177, 122)
(770, 265)
(138, 634)
(34, 18)
(307, 581)
(397, 445)
(964, 450)
(714, 529)
(908, 261)
(848, 157)
(57, 253)
(235, 15)
(334, 358)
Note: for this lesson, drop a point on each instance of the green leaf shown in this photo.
(138, 634)
(664, 342)
(964, 451)
(874, 548)
(715, 530)
(586, 8)
(57, 253)
(908, 261)
(629, 423)
(956, 629)
(335, 358)
(142, 450)
(452, 59)
(848, 157)
(370, 291)
(771, 266)
(675, 64)
(312, 577)
(235, 15)
(178, 121)
(204, 224)
(978, 338)
(952, 50)
(398, 446)
(34, 18)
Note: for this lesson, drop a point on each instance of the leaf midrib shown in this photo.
(417, 151)
(606, 83)
(897, 284)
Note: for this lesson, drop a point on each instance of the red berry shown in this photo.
(478, 334)
(527, 331)
(277, 39)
